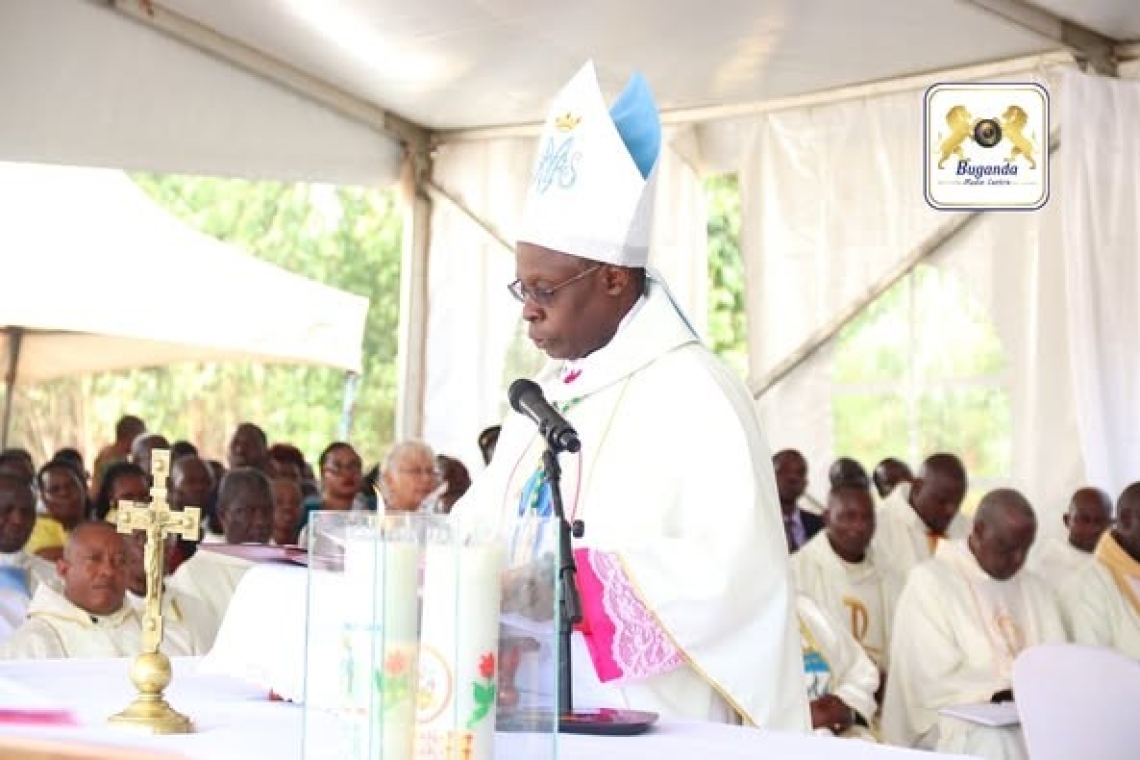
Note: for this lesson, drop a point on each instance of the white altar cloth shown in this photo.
(237, 722)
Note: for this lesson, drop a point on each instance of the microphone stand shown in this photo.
(569, 601)
(596, 722)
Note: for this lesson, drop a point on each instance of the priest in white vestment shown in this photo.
(1061, 559)
(90, 617)
(17, 517)
(1102, 603)
(838, 570)
(841, 680)
(962, 619)
(186, 628)
(245, 508)
(910, 526)
(673, 482)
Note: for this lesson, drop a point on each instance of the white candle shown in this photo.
(459, 651)
(379, 646)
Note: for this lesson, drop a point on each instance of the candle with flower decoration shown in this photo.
(379, 646)
(458, 668)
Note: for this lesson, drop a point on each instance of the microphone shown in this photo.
(527, 399)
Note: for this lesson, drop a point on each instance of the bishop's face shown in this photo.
(564, 302)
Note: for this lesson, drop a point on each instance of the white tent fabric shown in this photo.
(1101, 237)
(83, 86)
(100, 278)
(831, 200)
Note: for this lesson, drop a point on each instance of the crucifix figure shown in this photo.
(151, 672)
(159, 521)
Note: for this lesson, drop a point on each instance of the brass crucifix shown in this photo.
(151, 671)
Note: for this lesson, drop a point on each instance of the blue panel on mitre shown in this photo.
(635, 116)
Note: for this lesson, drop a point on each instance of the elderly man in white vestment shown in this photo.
(912, 522)
(245, 508)
(961, 621)
(841, 680)
(837, 569)
(90, 617)
(1061, 560)
(1102, 603)
(673, 482)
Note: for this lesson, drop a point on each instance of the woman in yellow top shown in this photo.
(65, 497)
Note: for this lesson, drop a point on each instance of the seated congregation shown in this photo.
(906, 605)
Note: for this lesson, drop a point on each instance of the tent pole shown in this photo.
(411, 353)
(15, 339)
(925, 249)
(348, 405)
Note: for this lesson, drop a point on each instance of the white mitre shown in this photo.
(591, 192)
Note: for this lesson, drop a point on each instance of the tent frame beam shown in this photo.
(242, 56)
(926, 249)
(822, 97)
(1085, 44)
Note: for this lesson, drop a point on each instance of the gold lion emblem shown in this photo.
(960, 123)
(1012, 123)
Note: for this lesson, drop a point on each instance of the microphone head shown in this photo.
(519, 388)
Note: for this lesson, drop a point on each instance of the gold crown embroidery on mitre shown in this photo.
(567, 122)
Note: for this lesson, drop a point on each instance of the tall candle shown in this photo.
(458, 666)
(379, 669)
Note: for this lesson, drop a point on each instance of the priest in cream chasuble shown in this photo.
(961, 621)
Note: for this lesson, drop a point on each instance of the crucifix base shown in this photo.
(150, 713)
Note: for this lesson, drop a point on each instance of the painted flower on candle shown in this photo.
(394, 682)
(483, 692)
(487, 665)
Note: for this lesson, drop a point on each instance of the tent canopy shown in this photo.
(294, 89)
(100, 278)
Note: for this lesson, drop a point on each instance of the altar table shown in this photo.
(237, 722)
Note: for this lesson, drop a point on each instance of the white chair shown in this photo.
(1077, 701)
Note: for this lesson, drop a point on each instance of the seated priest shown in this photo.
(409, 480)
(962, 619)
(1102, 602)
(673, 482)
(838, 570)
(185, 620)
(245, 509)
(17, 516)
(912, 522)
(90, 617)
(841, 680)
(1062, 559)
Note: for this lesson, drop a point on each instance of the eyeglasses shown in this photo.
(544, 296)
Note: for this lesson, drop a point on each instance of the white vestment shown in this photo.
(210, 578)
(57, 628)
(674, 478)
(1102, 603)
(861, 595)
(849, 675)
(1059, 562)
(186, 622)
(957, 632)
(902, 539)
(37, 570)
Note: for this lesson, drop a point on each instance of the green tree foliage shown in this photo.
(727, 326)
(348, 238)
